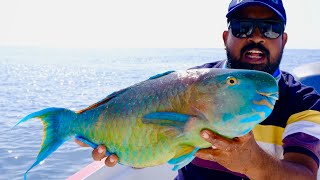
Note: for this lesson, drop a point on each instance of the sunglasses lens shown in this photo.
(244, 28)
(241, 29)
(271, 29)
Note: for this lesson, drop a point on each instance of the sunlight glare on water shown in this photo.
(32, 79)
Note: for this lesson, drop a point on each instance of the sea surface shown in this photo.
(35, 78)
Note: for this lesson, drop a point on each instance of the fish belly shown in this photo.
(146, 145)
(135, 143)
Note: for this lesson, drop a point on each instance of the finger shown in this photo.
(208, 151)
(215, 139)
(111, 161)
(208, 154)
(81, 143)
(99, 153)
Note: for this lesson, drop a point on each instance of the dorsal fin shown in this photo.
(103, 101)
(160, 75)
(108, 98)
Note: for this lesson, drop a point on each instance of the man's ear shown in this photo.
(284, 39)
(225, 35)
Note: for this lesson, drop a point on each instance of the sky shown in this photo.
(138, 23)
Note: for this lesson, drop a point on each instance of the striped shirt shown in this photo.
(293, 126)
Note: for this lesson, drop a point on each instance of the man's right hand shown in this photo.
(99, 153)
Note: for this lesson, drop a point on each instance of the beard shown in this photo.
(270, 67)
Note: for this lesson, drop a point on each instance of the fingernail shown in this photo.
(112, 160)
(205, 135)
(213, 147)
(100, 150)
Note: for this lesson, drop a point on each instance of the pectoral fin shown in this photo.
(183, 157)
(185, 154)
(171, 119)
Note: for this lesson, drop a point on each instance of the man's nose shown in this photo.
(257, 36)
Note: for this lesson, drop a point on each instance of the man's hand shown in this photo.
(99, 153)
(243, 155)
(238, 154)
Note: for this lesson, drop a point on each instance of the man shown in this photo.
(284, 146)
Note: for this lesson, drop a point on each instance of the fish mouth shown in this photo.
(264, 104)
(268, 99)
(270, 95)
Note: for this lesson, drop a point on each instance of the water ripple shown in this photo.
(73, 80)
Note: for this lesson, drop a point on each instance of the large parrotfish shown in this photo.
(159, 120)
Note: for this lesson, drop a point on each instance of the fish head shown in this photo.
(234, 101)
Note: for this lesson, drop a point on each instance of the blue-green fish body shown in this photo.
(159, 120)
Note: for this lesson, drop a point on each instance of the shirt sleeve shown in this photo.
(302, 134)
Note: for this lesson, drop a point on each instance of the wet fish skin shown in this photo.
(159, 120)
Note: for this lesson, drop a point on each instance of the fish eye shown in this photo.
(232, 81)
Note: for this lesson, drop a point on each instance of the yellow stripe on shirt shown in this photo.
(308, 115)
(268, 134)
(273, 134)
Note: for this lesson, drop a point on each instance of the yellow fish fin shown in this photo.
(184, 155)
(183, 150)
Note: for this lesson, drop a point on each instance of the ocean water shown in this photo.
(35, 78)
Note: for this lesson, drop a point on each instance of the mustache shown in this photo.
(255, 46)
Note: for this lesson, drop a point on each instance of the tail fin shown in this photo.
(56, 123)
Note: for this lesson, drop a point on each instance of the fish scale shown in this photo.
(159, 120)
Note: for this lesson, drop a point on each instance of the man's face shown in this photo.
(255, 52)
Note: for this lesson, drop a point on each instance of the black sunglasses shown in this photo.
(244, 28)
